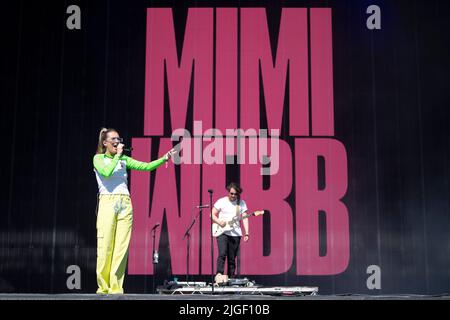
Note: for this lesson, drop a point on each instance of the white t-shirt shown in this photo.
(117, 182)
(227, 210)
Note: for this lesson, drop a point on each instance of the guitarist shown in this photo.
(228, 243)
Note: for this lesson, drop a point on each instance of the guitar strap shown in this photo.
(238, 210)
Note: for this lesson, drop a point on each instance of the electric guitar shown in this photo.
(233, 223)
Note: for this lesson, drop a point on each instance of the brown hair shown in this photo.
(102, 137)
(235, 186)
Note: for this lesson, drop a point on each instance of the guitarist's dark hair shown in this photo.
(236, 187)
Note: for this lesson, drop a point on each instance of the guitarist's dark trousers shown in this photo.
(228, 249)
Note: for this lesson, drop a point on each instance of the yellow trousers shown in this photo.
(114, 222)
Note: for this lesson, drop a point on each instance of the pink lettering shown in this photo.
(309, 200)
(161, 60)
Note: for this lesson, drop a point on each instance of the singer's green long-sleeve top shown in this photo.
(111, 172)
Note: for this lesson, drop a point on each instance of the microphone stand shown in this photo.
(188, 235)
(212, 245)
(155, 261)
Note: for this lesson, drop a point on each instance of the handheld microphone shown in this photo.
(202, 206)
(210, 190)
(156, 226)
(128, 149)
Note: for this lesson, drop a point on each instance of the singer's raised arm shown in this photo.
(105, 168)
(145, 166)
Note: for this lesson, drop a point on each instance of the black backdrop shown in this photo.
(59, 86)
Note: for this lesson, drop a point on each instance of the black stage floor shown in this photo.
(20, 296)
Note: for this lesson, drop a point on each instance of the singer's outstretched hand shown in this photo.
(170, 153)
